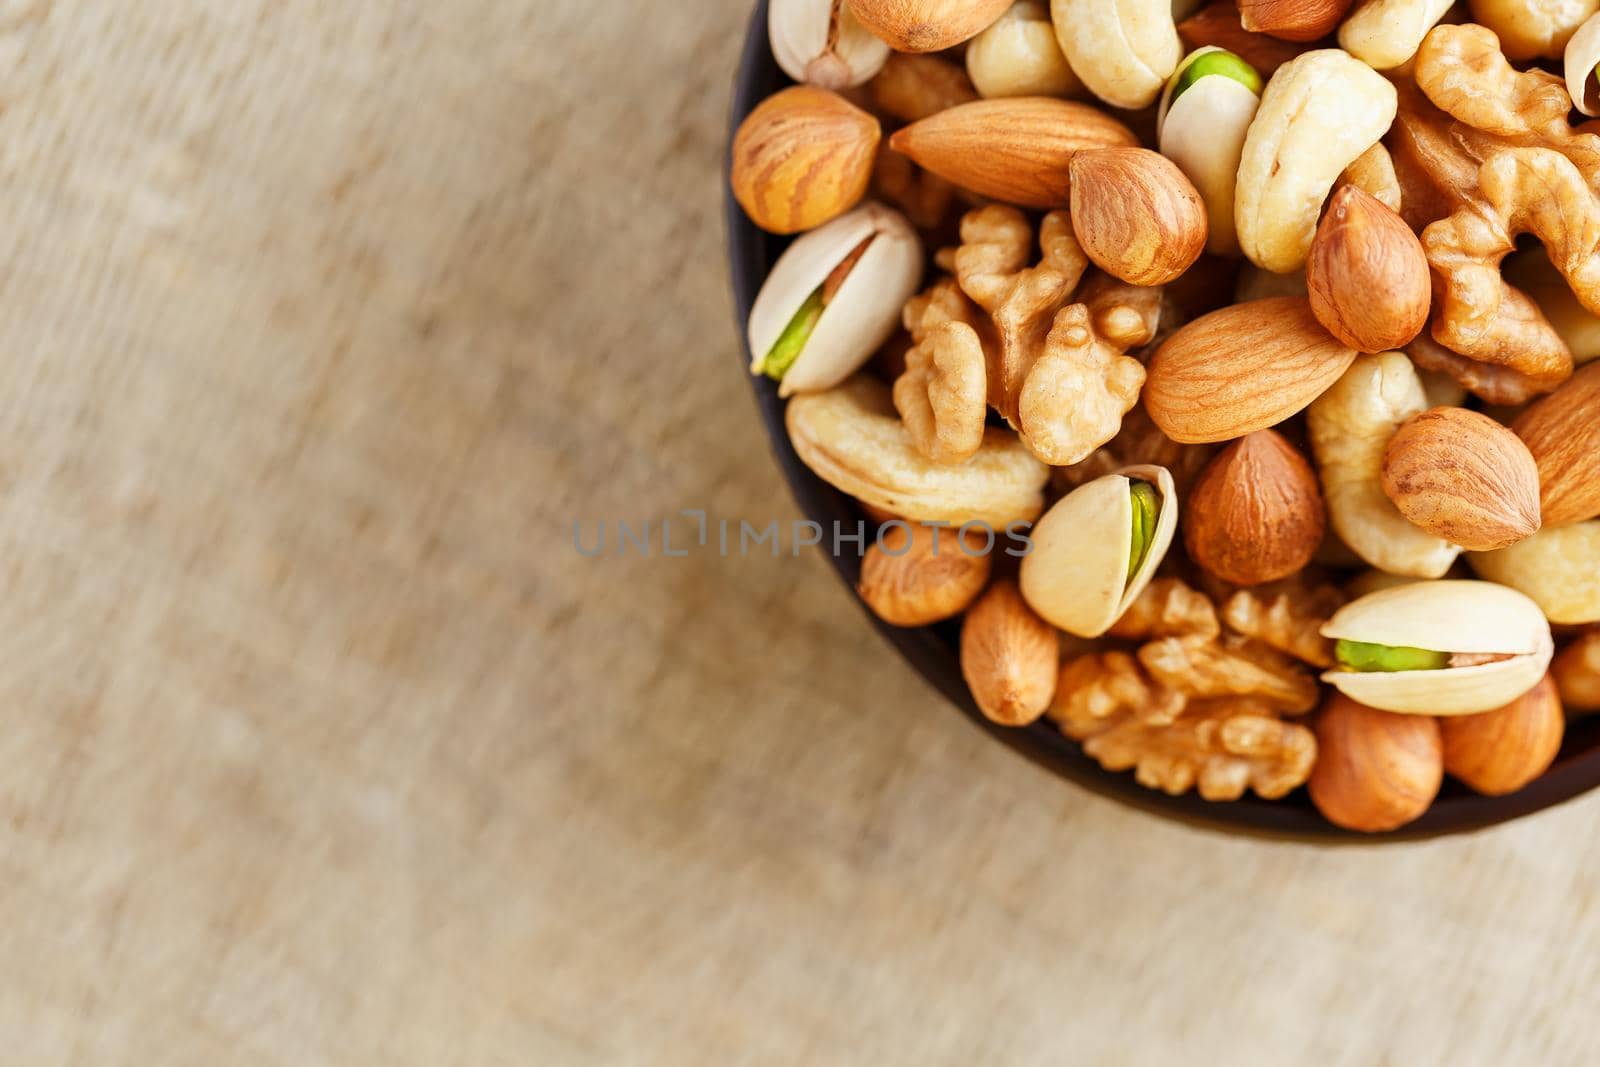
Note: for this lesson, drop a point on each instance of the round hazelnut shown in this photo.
(1376, 770)
(1501, 751)
(1255, 513)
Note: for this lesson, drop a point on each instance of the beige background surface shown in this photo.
(321, 324)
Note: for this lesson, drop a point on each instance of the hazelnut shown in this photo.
(1255, 513)
(918, 574)
(1135, 214)
(1462, 476)
(1376, 770)
(802, 157)
(1367, 275)
(1500, 751)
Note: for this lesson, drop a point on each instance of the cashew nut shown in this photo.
(1350, 425)
(1020, 56)
(1318, 113)
(1559, 567)
(851, 438)
(1529, 29)
(1123, 50)
(1386, 33)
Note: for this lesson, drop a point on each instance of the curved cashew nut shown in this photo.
(851, 438)
(1350, 426)
(1559, 567)
(1529, 29)
(1319, 113)
(1385, 33)
(1123, 50)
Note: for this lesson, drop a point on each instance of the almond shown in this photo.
(1563, 433)
(927, 25)
(1241, 369)
(1009, 656)
(1500, 751)
(1292, 20)
(1018, 150)
(1367, 275)
(1255, 513)
(1462, 476)
(1136, 214)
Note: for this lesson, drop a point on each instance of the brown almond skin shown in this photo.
(1464, 477)
(1563, 433)
(927, 25)
(1292, 20)
(1500, 751)
(922, 575)
(1017, 150)
(1242, 368)
(1255, 514)
(802, 157)
(1219, 24)
(1366, 274)
(1577, 673)
(1376, 770)
(1137, 216)
(1009, 656)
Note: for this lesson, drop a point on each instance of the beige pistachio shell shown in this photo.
(822, 42)
(851, 438)
(1580, 58)
(862, 314)
(1558, 567)
(1445, 616)
(1076, 574)
(1203, 133)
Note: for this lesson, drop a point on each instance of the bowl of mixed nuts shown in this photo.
(1214, 390)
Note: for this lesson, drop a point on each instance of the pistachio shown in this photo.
(1098, 547)
(1439, 648)
(1581, 57)
(1206, 110)
(1558, 567)
(833, 298)
(822, 42)
(852, 439)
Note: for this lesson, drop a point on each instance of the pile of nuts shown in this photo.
(1270, 332)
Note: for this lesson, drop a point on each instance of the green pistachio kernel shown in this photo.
(1146, 507)
(1226, 64)
(1361, 656)
(784, 351)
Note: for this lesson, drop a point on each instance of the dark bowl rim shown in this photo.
(930, 650)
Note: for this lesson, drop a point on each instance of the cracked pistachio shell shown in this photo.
(822, 42)
(851, 438)
(862, 314)
(1076, 575)
(1558, 567)
(1445, 616)
(1203, 133)
(1579, 60)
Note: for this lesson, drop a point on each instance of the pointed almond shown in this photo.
(1563, 433)
(1017, 150)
